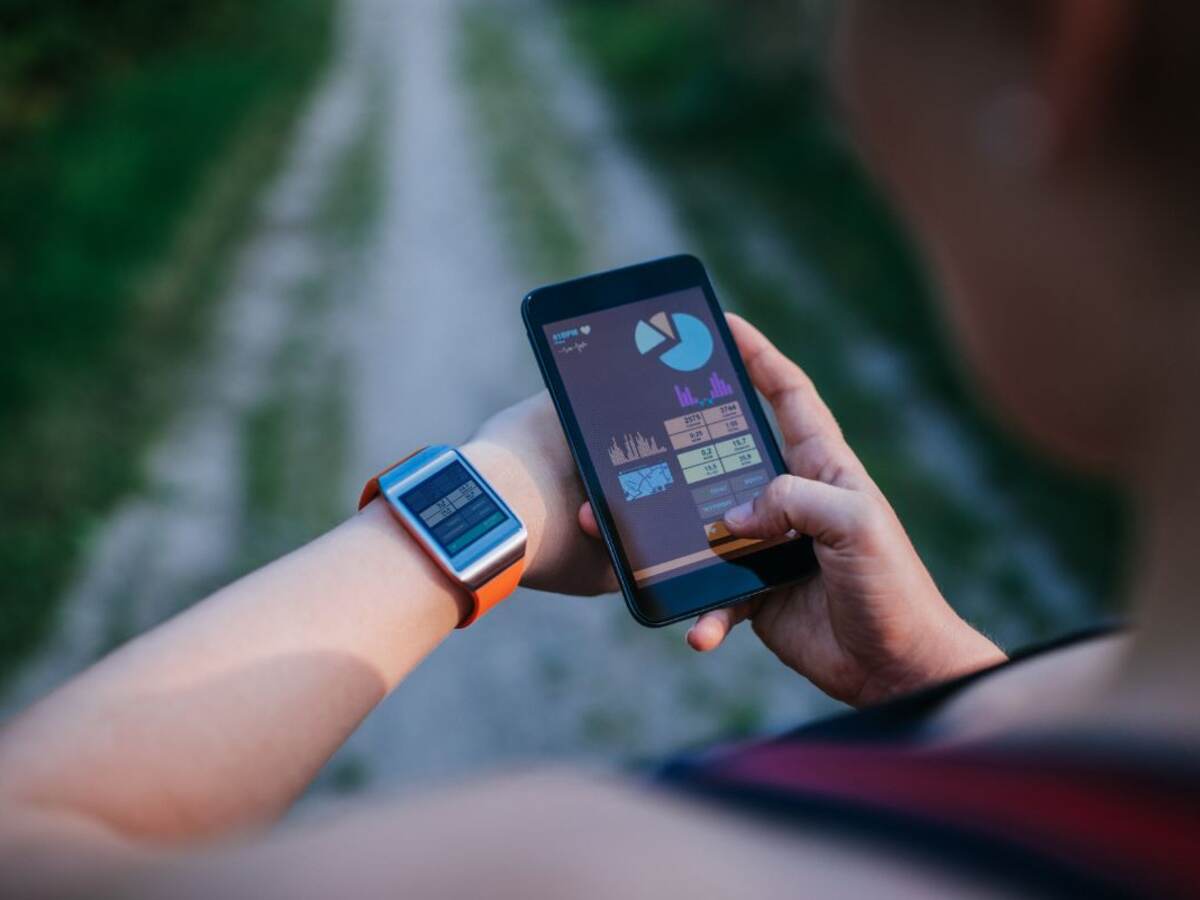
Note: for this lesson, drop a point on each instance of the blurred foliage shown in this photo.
(132, 137)
(731, 100)
(532, 167)
(56, 48)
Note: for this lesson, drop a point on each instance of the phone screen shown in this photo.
(668, 428)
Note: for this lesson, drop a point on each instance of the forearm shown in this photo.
(220, 717)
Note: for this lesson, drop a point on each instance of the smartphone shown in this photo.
(667, 432)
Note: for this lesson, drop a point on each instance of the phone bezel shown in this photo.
(712, 587)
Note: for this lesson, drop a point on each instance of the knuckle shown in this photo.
(779, 492)
(798, 392)
(779, 498)
(799, 379)
(831, 423)
(808, 458)
(867, 516)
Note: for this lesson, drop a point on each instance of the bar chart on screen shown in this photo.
(718, 389)
(633, 447)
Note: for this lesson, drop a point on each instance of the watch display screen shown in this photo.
(454, 508)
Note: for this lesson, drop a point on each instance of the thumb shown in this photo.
(828, 514)
(587, 520)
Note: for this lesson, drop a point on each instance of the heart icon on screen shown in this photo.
(585, 329)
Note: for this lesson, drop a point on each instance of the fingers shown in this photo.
(712, 628)
(801, 411)
(587, 521)
(803, 416)
(831, 515)
(609, 585)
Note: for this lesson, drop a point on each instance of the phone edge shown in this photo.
(608, 538)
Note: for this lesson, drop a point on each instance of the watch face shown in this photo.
(455, 514)
(454, 508)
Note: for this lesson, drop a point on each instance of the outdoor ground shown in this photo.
(455, 156)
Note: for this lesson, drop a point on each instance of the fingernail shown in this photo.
(739, 515)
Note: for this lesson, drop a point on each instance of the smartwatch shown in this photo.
(458, 519)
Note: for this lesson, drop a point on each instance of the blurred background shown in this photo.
(236, 238)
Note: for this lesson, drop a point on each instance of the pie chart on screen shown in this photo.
(682, 341)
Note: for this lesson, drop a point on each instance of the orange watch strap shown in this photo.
(371, 489)
(501, 585)
(498, 587)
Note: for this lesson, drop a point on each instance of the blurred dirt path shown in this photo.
(179, 538)
(422, 330)
(544, 677)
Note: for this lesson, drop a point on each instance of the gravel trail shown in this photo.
(424, 328)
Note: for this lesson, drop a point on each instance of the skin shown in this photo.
(872, 624)
(1070, 285)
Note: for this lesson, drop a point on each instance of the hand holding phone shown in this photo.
(667, 432)
(871, 623)
(522, 448)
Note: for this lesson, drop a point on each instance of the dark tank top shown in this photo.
(1101, 816)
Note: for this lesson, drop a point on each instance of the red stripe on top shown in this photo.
(1100, 818)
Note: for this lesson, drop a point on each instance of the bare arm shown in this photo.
(214, 722)
(219, 718)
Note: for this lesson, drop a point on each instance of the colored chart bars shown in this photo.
(634, 447)
(718, 388)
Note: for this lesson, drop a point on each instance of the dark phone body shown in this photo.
(720, 584)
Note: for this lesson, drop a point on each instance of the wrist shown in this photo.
(959, 650)
(949, 648)
(975, 650)
(384, 546)
(508, 475)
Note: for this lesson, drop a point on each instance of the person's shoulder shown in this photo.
(1042, 688)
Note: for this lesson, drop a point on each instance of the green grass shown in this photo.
(532, 164)
(120, 197)
(296, 432)
(292, 451)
